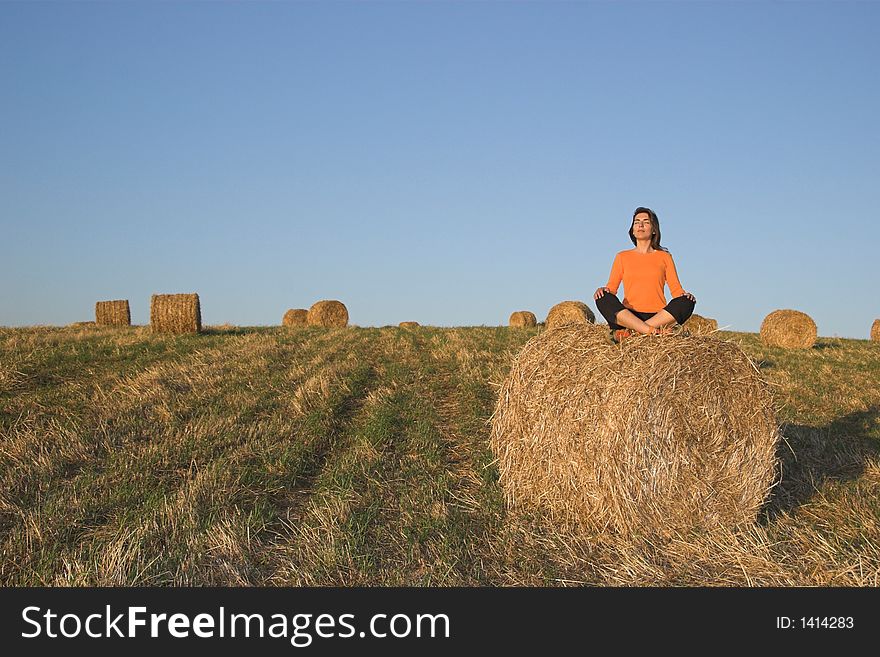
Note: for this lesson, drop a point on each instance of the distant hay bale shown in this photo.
(81, 324)
(327, 313)
(112, 313)
(790, 329)
(875, 330)
(699, 325)
(569, 312)
(523, 318)
(295, 317)
(408, 324)
(658, 434)
(175, 313)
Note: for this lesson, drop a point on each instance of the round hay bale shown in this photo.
(659, 434)
(327, 313)
(175, 313)
(112, 313)
(522, 318)
(790, 329)
(295, 317)
(408, 324)
(699, 325)
(875, 330)
(569, 312)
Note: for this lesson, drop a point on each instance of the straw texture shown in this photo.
(112, 313)
(790, 329)
(569, 312)
(658, 434)
(523, 318)
(699, 325)
(295, 317)
(327, 313)
(175, 313)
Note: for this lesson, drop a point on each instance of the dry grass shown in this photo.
(569, 312)
(790, 329)
(264, 456)
(523, 318)
(295, 317)
(660, 435)
(175, 313)
(327, 314)
(112, 313)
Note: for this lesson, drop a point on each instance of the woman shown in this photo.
(644, 271)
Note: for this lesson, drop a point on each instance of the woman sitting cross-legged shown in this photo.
(644, 271)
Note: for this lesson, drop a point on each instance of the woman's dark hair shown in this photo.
(655, 228)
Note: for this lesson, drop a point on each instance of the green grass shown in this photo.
(272, 456)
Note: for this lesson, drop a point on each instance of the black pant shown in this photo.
(609, 305)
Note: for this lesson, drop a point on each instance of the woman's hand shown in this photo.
(600, 292)
(690, 296)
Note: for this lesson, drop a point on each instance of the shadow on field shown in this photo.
(811, 456)
(222, 330)
(827, 345)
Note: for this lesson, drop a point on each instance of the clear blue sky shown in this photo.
(446, 163)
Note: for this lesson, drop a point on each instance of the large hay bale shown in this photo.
(522, 318)
(790, 329)
(327, 313)
(699, 325)
(569, 312)
(408, 324)
(295, 317)
(657, 435)
(875, 330)
(175, 313)
(112, 313)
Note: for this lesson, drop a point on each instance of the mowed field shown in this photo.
(359, 456)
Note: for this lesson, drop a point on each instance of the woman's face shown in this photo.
(642, 227)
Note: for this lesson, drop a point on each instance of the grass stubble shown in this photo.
(264, 456)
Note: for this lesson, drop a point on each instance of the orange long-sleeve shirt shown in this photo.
(643, 276)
